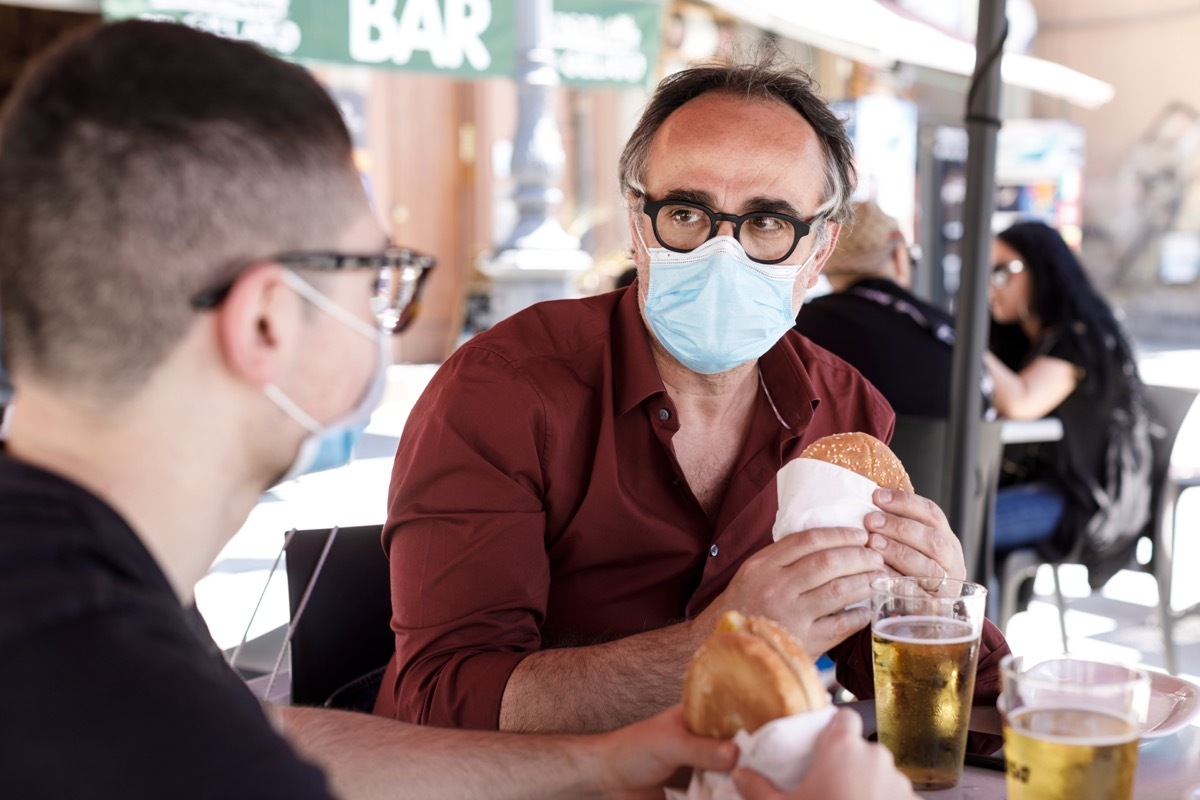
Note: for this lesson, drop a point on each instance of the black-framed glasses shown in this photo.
(398, 286)
(1001, 274)
(767, 238)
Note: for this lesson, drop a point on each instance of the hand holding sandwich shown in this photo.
(911, 533)
(753, 682)
(913, 536)
(844, 767)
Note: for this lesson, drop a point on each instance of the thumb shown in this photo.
(845, 723)
(753, 786)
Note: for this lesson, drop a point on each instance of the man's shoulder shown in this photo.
(824, 367)
(835, 379)
(551, 329)
(549, 347)
(140, 709)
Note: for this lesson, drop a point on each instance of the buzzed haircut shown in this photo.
(141, 163)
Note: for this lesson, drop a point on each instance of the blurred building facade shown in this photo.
(436, 149)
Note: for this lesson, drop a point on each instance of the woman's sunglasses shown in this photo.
(1002, 273)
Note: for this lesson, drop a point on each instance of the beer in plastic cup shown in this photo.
(1071, 728)
(925, 637)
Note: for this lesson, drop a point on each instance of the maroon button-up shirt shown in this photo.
(536, 500)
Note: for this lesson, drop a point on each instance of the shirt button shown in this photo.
(676, 482)
(712, 551)
(664, 414)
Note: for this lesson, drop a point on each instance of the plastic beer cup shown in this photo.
(925, 637)
(1071, 727)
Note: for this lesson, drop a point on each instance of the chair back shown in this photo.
(920, 443)
(344, 631)
(1168, 407)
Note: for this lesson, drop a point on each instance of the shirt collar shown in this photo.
(787, 385)
(636, 378)
(635, 375)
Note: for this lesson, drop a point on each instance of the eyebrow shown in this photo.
(768, 205)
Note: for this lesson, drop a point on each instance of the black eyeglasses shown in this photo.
(1001, 274)
(398, 286)
(768, 238)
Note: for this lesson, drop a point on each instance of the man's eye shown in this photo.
(684, 216)
(767, 224)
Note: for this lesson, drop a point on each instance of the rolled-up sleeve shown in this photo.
(466, 539)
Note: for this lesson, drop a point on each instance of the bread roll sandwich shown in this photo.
(748, 673)
(864, 454)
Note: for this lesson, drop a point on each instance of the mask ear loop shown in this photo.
(306, 290)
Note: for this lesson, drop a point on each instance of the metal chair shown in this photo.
(920, 444)
(1168, 408)
(341, 606)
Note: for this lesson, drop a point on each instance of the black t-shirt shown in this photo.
(1085, 416)
(895, 339)
(105, 688)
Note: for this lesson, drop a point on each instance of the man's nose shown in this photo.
(725, 228)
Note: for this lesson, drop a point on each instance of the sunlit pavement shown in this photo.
(1118, 622)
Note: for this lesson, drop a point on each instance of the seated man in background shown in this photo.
(190, 288)
(584, 489)
(903, 345)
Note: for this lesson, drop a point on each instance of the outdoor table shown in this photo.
(1026, 431)
(1167, 767)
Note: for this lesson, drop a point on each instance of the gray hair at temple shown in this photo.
(768, 75)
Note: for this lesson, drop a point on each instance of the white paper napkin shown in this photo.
(817, 494)
(780, 750)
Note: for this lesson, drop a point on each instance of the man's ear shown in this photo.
(835, 230)
(256, 321)
(633, 210)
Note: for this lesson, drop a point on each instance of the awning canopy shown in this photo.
(597, 42)
(872, 33)
(84, 6)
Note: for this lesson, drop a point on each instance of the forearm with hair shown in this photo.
(372, 757)
(601, 687)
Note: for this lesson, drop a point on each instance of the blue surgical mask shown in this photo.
(714, 308)
(331, 445)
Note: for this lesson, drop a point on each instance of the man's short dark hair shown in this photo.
(140, 163)
(768, 75)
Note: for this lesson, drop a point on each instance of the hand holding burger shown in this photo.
(751, 673)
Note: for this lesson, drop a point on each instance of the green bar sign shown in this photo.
(597, 42)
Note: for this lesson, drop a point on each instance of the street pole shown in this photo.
(539, 260)
(983, 123)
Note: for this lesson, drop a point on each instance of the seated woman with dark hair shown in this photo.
(1057, 349)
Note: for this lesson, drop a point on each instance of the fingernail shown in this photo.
(876, 519)
(883, 496)
(878, 542)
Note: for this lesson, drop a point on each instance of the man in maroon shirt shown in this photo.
(582, 490)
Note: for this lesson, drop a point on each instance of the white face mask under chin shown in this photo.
(329, 445)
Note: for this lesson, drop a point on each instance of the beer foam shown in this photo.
(1120, 729)
(962, 630)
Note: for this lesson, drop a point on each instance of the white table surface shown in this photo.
(1167, 767)
(1024, 431)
